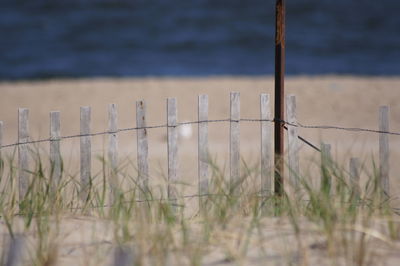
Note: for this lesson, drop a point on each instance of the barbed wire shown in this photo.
(353, 129)
(284, 123)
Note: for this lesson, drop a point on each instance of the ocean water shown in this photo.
(85, 38)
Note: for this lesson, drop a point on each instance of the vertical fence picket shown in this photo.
(113, 150)
(384, 149)
(203, 159)
(1, 145)
(234, 147)
(85, 149)
(266, 146)
(172, 135)
(15, 251)
(55, 155)
(293, 144)
(326, 164)
(123, 256)
(142, 149)
(23, 152)
(355, 175)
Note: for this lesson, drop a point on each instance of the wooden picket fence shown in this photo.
(124, 256)
(266, 145)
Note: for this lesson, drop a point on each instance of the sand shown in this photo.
(322, 100)
(345, 101)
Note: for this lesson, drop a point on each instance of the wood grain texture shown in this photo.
(384, 150)
(142, 149)
(326, 165)
(15, 251)
(23, 152)
(85, 150)
(234, 147)
(123, 256)
(55, 154)
(266, 146)
(354, 167)
(1, 144)
(113, 150)
(203, 155)
(172, 135)
(293, 142)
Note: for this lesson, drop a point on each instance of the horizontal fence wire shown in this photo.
(283, 123)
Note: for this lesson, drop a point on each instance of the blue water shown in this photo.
(85, 38)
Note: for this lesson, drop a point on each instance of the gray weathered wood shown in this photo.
(15, 251)
(1, 145)
(326, 165)
(85, 149)
(113, 150)
(142, 149)
(23, 152)
(384, 149)
(123, 256)
(293, 142)
(172, 133)
(355, 175)
(266, 146)
(203, 159)
(234, 147)
(55, 155)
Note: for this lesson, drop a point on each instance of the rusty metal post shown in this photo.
(279, 94)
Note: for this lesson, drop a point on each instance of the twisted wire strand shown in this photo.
(283, 122)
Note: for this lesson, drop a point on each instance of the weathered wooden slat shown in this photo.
(85, 149)
(293, 143)
(266, 146)
(234, 147)
(1, 145)
(203, 159)
(384, 150)
(55, 155)
(23, 152)
(113, 150)
(15, 251)
(172, 133)
(355, 175)
(142, 149)
(123, 256)
(326, 165)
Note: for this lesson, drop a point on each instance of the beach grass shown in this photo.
(334, 224)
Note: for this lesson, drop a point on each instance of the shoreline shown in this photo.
(196, 77)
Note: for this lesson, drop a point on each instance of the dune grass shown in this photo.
(334, 223)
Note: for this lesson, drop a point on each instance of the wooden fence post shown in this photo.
(266, 146)
(172, 135)
(326, 164)
(293, 144)
(234, 147)
(113, 151)
(15, 251)
(142, 150)
(1, 145)
(384, 150)
(123, 257)
(85, 148)
(55, 155)
(355, 175)
(203, 155)
(23, 152)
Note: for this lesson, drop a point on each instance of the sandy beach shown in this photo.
(345, 101)
(321, 100)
